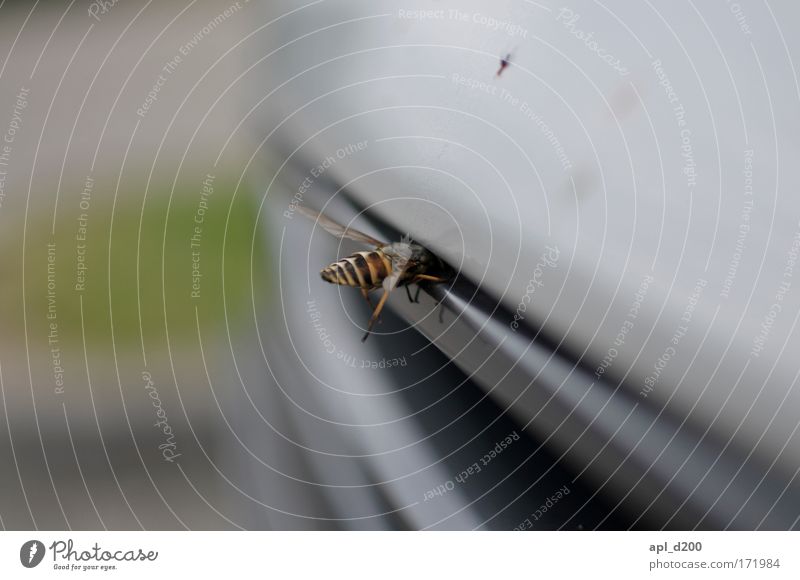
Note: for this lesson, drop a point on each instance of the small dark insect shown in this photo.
(387, 266)
(504, 62)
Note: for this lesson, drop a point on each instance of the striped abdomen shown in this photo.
(361, 270)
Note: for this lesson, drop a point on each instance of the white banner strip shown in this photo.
(400, 555)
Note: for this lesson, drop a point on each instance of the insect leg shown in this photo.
(375, 314)
(416, 294)
(365, 294)
(427, 278)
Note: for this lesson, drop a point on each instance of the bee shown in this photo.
(387, 266)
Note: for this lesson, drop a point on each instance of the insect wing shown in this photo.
(401, 260)
(338, 230)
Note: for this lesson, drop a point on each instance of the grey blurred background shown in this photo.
(162, 365)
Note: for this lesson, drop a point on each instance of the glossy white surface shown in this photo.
(642, 175)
